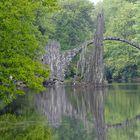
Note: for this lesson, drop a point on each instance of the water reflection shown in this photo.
(86, 104)
(112, 113)
(54, 104)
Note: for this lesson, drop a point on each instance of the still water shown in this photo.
(74, 113)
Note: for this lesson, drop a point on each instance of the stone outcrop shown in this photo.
(91, 65)
(58, 60)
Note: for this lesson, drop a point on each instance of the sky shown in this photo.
(95, 1)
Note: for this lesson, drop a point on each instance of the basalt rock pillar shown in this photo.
(96, 64)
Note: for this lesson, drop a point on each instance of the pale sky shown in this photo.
(95, 1)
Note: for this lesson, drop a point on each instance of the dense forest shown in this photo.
(26, 26)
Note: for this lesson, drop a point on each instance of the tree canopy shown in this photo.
(74, 23)
(21, 45)
(121, 20)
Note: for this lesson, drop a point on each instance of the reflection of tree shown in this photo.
(122, 104)
(73, 129)
(125, 123)
(17, 128)
(19, 121)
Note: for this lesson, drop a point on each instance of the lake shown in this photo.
(74, 113)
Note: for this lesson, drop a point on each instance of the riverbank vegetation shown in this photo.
(22, 41)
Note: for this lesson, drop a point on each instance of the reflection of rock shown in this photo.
(56, 103)
(93, 98)
(98, 112)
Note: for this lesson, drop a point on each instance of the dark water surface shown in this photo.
(68, 113)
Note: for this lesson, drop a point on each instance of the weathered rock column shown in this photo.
(53, 59)
(58, 60)
(97, 59)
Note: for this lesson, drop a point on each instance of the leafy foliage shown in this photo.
(21, 45)
(121, 17)
(74, 23)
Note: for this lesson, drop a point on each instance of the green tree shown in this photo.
(74, 23)
(121, 21)
(21, 46)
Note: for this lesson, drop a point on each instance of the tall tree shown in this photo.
(74, 23)
(20, 46)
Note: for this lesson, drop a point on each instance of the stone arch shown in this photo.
(59, 61)
(135, 45)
